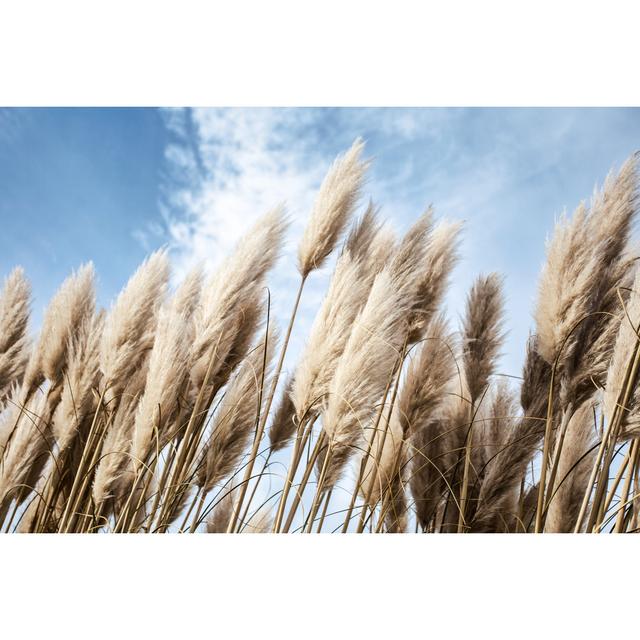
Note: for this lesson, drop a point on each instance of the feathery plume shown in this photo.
(408, 260)
(428, 376)
(220, 314)
(626, 345)
(130, 325)
(27, 452)
(363, 233)
(441, 257)
(482, 332)
(435, 446)
(284, 426)
(505, 470)
(14, 317)
(574, 467)
(187, 295)
(427, 388)
(333, 207)
(74, 301)
(220, 517)
(329, 334)
(364, 369)
(9, 415)
(167, 371)
(587, 268)
(236, 417)
(81, 378)
(497, 421)
(114, 454)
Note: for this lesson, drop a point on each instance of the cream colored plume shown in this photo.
(73, 302)
(219, 317)
(331, 330)
(131, 323)
(14, 317)
(78, 398)
(626, 345)
(235, 419)
(167, 371)
(28, 449)
(482, 333)
(426, 383)
(441, 256)
(332, 210)
(587, 269)
(283, 426)
(576, 461)
(364, 369)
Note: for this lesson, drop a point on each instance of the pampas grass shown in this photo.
(332, 209)
(167, 413)
(14, 316)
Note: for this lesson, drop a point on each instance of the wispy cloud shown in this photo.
(231, 166)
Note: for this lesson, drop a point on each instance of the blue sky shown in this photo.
(111, 185)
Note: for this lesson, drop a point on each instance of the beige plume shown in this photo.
(14, 317)
(333, 207)
(130, 325)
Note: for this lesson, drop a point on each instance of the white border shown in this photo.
(279, 52)
(267, 586)
(287, 52)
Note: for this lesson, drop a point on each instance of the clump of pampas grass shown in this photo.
(176, 409)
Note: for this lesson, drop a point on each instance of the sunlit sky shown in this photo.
(111, 185)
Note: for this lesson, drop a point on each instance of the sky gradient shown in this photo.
(111, 185)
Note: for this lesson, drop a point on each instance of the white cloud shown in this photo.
(234, 165)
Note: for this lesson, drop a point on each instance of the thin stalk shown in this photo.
(465, 472)
(201, 496)
(304, 430)
(632, 457)
(243, 517)
(319, 494)
(545, 453)
(324, 510)
(303, 484)
(616, 483)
